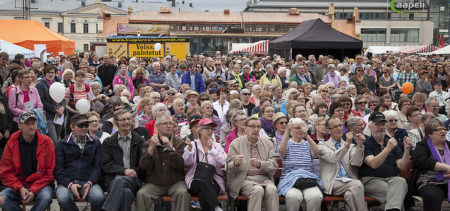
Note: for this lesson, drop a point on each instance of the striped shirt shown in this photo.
(298, 156)
(79, 93)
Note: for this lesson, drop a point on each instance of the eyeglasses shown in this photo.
(283, 123)
(392, 120)
(170, 93)
(301, 90)
(246, 93)
(217, 64)
(361, 103)
(373, 104)
(204, 99)
(199, 66)
(440, 130)
(51, 73)
(83, 125)
(346, 103)
(93, 121)
(326, 91)
(337, 126)
(235, 86)
(124, 119)
(240, 120)
(208, 107)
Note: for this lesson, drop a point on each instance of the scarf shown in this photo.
(267, 126)
(124, 80)
(438, 157)
(49, 83)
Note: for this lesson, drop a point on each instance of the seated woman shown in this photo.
(238, 121)
(94, 125)
(297, 150)
(267, 113)
(209, 152)
(320, 133)
(280, 122)
(146, 105)
(320, 110)
(392, 129)
(179, 113)
(431, 162)
(207, 110)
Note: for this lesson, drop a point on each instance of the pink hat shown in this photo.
(206, 122)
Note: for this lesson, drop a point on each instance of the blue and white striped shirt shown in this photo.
(298, 156)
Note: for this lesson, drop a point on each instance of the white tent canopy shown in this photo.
(444, 50)
(13, 49)
(375, 50)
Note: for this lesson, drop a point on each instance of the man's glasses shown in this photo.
(83, 124)
(171, 93)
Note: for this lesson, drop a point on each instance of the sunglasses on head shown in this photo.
(83, 124)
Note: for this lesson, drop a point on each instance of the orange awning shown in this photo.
(26, 33)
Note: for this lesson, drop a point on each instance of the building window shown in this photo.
(60, 28)
(47, 24)
(73, 28)
(373, 35)
(86, 28)
(404, 35)
(86, 47)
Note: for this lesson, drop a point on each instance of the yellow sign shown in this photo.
(178, 49)
(144, 50)
(117, 49)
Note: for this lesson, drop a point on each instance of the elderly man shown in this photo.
(355, 124)
(26, 167)
(314, 68)
(432, 105)
(382, 158)
(251, 165)
(78, 167)
(157, 79)
(162, 161)
(338, 164)
(301, 77)
(403, 105)
(120, 163)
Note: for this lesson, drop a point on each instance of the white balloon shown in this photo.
(157, 46)
(83, 106)
(57, 92)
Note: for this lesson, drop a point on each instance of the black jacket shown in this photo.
(49, 104)
(72, 165)
(112, 157)
(106, 74)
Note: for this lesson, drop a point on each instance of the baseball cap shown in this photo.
(245, 91)
(25, 116)
(423, 71)
(203, 122)
(377, 117)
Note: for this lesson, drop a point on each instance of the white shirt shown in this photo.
(221, 110)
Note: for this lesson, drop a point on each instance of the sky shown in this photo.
(217, 5)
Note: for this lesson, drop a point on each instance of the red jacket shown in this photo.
(11, 166)
(150, 125)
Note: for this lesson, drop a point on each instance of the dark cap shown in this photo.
(25, 116)
(437, 83)
(79, 118)
(377, 117)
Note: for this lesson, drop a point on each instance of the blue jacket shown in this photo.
(199, 84)
(72, 165)
(290, 179)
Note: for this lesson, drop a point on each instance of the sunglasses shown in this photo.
(83, 124)
(392, 120)
(361, 103)
(204, 99)
(283, 123)
(171, 93)
(246, 93)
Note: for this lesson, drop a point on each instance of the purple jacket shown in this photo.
(17, 106)
(335, 79)
(216, 157)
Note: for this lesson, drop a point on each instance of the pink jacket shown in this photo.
(18, 107)
(216, 157)
(230, 138)
(130, 86)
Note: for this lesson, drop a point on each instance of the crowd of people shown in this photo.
(342, 127)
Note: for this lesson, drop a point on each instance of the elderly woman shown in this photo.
(352, 92)
(323, 92)
(431, 166)
(360, 104)
(289, 96)
(270, 77)
(157, 109)
(256, 93)
(94, 126)
(347, 104)
(67, 77)
(123, 78)
(280, 122)
(418, 101)
(179, 113)
(210, 153)
(96, 91)
(315, 98)
(207, 110)
(297, 150)
(140, 77)
(282, 71)
(146, 105)
(332, 76)
(267, 113)
(320, 110)
(238, 121)
(392, 129)
(307, 89)
(320, 134)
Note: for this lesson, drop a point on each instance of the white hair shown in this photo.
(157, 106)
(297, 121)
(281, 70)
(390, 114)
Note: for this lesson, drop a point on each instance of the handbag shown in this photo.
(305, 183)
(203, 170)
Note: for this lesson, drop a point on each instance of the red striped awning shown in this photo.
(419, 49)
(260, 47)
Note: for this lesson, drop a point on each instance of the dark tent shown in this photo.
(315, 37)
